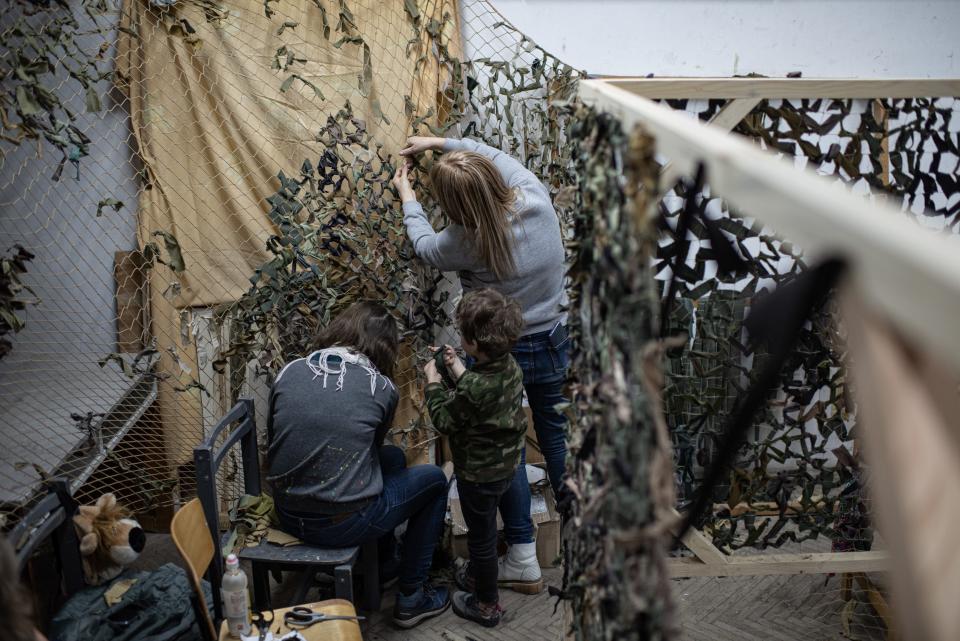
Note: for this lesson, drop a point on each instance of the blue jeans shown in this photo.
(417, 494)
(544, 373)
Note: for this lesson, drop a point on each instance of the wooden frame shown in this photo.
(904, 295)
(706, 88)
(793, 563)
(710, 561)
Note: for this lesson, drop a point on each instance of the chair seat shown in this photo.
(324, 631)
(296, 554)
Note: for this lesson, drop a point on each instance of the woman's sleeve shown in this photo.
(445, 250)
(511, 169)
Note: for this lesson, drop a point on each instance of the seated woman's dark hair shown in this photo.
(367, 328)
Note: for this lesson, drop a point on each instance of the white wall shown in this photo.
(825, 38)
(73, 269)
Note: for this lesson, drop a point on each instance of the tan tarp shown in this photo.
(213, 128)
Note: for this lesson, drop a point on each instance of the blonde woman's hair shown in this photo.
(472, 193)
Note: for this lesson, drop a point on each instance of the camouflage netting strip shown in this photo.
(614, 572)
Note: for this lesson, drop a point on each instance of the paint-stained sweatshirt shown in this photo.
(538, 245)
(329, 413)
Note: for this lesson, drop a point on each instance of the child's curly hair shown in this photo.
(491, 320)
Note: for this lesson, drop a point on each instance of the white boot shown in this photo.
(519, 570)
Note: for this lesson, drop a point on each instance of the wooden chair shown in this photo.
(52, 515)
(308, 558)
(189, 533)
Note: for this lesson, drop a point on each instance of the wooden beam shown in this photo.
(767, 564)
(733, 112)
(727, 118)
(906, 272)
(662, 88)
(770, 508)
(701, 545)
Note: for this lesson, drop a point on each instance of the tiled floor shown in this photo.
(527, 618)
(771, 608)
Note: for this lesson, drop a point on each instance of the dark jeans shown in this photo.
(417, 494)
(479, 503)
(544, 373)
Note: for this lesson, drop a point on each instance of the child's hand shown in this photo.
(454, 365)
(430, 370)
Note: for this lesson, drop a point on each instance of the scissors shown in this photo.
(262, 623)
(304, 617)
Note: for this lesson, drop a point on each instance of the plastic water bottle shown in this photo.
(236, 600)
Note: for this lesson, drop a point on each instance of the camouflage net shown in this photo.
(90, 396)
(109, 290)
(335, 216)
(799, 466)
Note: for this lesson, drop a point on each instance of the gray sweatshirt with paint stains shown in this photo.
(538, 245)
(329, 413)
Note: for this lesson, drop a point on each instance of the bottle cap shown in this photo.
(232, 560)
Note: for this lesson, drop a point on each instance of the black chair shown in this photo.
(52, 515)
(266, 556)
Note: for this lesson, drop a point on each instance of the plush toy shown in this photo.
(109, 539)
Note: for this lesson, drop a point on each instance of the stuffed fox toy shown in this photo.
(109, 539)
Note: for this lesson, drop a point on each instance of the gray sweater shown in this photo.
(329, 413)
(538, 246)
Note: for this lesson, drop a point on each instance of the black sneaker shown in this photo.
(465, 605)
(426, 602)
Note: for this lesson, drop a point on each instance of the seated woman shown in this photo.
(334, 482)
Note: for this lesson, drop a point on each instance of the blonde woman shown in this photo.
(504, 234)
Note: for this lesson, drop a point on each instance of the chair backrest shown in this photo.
(192, 538)
(207, 458)
(52, 515)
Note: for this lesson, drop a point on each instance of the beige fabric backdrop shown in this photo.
(213, 129)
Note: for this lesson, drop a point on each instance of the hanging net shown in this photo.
(192, 188)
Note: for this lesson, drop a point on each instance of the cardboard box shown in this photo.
(546, 523)
(534, 455)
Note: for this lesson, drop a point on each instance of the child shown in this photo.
(485, 422)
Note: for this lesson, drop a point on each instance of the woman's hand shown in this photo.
(454, 364)
(401, 180)
(419, 144)
(430, 370)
